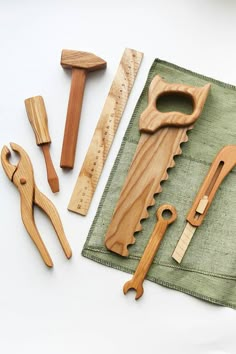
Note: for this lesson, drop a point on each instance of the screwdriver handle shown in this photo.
(223, 163)
(37, 115)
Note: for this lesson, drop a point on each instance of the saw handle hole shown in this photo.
(175, 102)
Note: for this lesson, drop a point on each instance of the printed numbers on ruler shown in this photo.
(105, 131)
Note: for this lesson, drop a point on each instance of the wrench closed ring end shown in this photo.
(171, 209)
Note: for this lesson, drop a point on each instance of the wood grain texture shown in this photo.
(80, 63)
(183, 242)
(22, 176)
(81, 60)
(154, 155)
(223, 163)
(151, 119)
(37, 115)
(52, 177)
(105, 131)
(73, 118)
(146, 260)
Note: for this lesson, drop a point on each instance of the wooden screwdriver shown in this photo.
(37, 115)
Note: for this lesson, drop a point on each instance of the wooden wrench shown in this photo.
(136, 282)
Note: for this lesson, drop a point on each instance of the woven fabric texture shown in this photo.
(208, 270)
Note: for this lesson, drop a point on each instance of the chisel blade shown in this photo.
(183, 242)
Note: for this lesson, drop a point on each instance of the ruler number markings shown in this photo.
(98, 150)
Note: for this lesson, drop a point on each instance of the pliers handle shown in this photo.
(22, 176)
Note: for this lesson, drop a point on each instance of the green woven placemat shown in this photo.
(208, 270)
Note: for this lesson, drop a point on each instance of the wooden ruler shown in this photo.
(105, 131)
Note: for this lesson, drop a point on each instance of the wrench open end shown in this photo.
(130, 285)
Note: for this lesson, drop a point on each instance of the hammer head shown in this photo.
(81, 60)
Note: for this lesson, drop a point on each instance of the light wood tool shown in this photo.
(37, 115)
(105, 131)
(161, 136)
(158, 233)
(81, 63)
(22, 175)
(221, 166)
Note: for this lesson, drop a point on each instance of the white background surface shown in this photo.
(79, 307)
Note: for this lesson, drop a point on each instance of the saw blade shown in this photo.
(153, 157)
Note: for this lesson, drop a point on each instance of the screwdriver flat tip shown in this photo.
(54, 184)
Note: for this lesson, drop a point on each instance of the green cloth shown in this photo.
(208, 269)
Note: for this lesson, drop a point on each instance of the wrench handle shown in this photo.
(150, 250)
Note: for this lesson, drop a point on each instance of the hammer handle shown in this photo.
(73, 118)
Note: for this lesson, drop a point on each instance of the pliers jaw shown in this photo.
(23, 167)
(9, 168)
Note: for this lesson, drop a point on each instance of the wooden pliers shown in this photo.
(22, 175)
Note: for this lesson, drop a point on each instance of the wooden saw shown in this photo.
(160, 140)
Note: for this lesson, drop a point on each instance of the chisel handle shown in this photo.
(223, 163)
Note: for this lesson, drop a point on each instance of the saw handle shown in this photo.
(221, 166)
(151, 119)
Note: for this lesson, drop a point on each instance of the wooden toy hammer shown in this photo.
(80, 63)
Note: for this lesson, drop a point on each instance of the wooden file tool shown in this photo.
(161, 136)
(37, 115)
(81, 63)
(221, 166)
(158, 233)
(105, 131)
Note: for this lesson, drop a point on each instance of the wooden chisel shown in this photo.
(223, 163)
(37, 115)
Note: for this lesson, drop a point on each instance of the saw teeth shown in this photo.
(153, 201)
(165, 177)
(139, 227)
(145, 213)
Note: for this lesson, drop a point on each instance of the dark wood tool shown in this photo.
(81, 63)
(37, 115)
